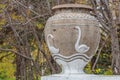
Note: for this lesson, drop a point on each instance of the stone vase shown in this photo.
(72, 36)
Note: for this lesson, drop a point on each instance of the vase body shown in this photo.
(72, 36)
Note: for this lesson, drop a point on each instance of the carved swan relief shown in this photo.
(74, 63)
(80, 48)
(52, 48)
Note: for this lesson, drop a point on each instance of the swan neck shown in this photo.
(48, 43)
(79, 35)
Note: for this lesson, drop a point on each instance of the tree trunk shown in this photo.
(115, 51)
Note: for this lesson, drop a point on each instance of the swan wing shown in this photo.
(83, 48)
(54, 50)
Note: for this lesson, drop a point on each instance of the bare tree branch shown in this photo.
(99, 52)
(17, 2)
(10, 50)
(5, 56)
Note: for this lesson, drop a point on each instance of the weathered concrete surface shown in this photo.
(80, 77)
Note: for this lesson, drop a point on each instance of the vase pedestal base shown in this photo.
(80, 77)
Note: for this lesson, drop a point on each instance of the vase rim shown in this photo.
(80, 6)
